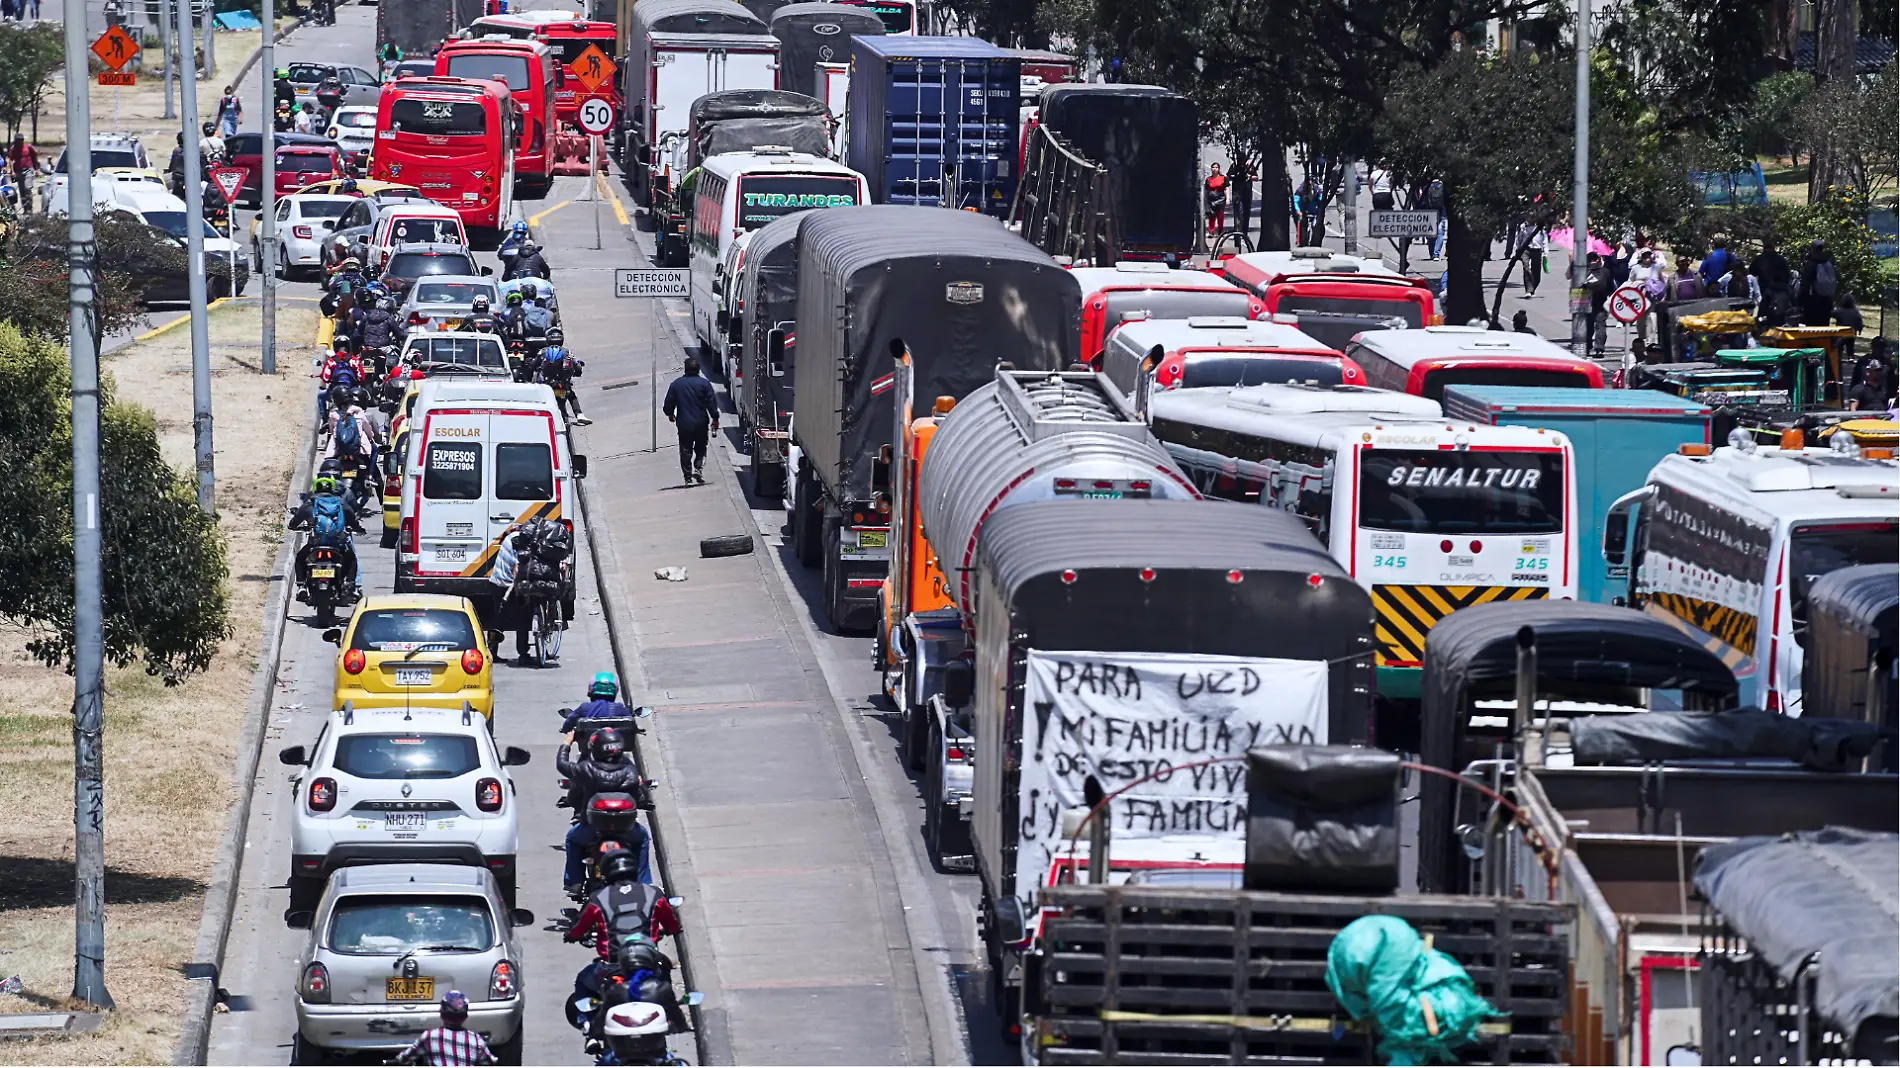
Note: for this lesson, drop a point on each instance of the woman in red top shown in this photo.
(1215, 195)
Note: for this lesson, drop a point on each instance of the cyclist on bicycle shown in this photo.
(452, 1043)
(530, 569)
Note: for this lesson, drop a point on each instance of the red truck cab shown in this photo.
(533, 79)
(1131, 291)
(1334, 296)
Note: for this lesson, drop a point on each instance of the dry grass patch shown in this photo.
(170, 751)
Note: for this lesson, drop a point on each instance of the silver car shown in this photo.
(387, 941)
(442, 301)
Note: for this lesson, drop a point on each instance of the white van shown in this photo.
(483, 458)
(742, 191)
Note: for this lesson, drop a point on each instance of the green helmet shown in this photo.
(604, 686)
(283, 72)
(323, 484)
(514, 297)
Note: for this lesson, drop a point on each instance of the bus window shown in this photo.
(898, 16)
(1172, 304)
(1461, 492)
(765, 197)
(1432, 386)
(1255, 368)
(1297, 302)
(479, 65)
(438, 118)
(1381, 373)
(1818, 548)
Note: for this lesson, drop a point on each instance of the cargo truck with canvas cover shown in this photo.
(957, 290)
(1028, 436)
(1245, 633)
(767, 302)
(813, 33)
(676, 52)
(418, 26)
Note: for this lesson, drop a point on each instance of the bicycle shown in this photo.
(545, 630)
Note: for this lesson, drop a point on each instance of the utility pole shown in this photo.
(1580, 202)
(210, 28)
(267, 185)
(195, 249)
(1352, 207)
(165, 46)
(89, 781)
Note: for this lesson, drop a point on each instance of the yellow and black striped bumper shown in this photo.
(1402, 614)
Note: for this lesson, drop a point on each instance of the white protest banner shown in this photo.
(1123, 716)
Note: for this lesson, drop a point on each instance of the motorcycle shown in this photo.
(610, 814)
(325, 585)
(284, 120)
(633, 1031)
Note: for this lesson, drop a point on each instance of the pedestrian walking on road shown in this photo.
(1777, 284)
(1214, 194)
(1649, 276)
(1535, 240)
(1599, 283)
(230, 112)
(694, 409)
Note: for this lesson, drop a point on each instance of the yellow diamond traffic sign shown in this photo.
(116, 47)
(593, 68)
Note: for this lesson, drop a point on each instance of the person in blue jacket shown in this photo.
(601, 703)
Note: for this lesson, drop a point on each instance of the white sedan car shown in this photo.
(300, 232)
(353, 128)
(396, 785)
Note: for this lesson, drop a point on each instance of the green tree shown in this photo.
(29, 58)
(1769, 129)
(33, 272)
(164, 559)
(1852, 123)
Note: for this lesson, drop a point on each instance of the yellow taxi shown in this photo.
(393, 461)
(419, 649)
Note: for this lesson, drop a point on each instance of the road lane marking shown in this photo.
(600, 184)
(185, 318)
(535, 219)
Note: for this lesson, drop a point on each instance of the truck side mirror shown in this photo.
(1618, 523)
(959, 682)
(775, 352)
(1012, 923)
(580, 465)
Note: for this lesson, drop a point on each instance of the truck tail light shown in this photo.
(953, 753)
(472, 662)
(315, 986)
(411, 542)
(488, 795)
(501, 982)
(322, 794)
(354, 661)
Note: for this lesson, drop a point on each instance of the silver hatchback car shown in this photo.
(387, 941)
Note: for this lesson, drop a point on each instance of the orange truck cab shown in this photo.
(1165, 354)
(1333, 296)
(1139, 290)
(533, 78)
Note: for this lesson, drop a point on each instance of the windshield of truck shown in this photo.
(767, 197)
(1818, 548)
(103, 157)
(1256, 368)
(375, 925)
(438, 118)
(477, 65)
(1336, 331)
(1379, 307)
(1435, 382)
(1475, 491)
(1169, 304)
(898, 16)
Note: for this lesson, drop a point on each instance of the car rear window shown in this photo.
(426, 231)
(303, 162)
(323, 209)
(407, 756)
(452, 292)
(364, 120)
(103, 157)
(386, 630)
(467, 351)
(524, 471)
(421, 265)
(309, 72)
(376, 924)
(452, 471)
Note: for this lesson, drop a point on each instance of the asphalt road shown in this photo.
(816, 929)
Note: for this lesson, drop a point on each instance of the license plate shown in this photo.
(323, 572)
(872, 539)
(405, 821)
(421, 988)
(451, 324)
(414, 676)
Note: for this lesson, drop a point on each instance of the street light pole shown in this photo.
(89, 791)
(267, 187)
(1580, 193)
(210, 27)
(165, 46)
(195, 249)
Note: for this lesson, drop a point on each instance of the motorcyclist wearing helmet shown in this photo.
(559, 368)
(211, 150)
(480, 320)
(356, 441)
(377, 323)
(340, 368)
(600, 703)
(453, 1042)
(528, 263)
(638, 972)
(304, 518)
(534, 309)
(606, 767)
(623, 894)
(512, 320)
(510, 245)
(282, 91)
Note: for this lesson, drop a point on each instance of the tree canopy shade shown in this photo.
(164, 559)
(33, 272)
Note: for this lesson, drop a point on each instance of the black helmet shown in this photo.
(478, 305)
(607, 745)
(330, 466)
(208, 127)
(554, 335)
(619, 867)
(637, 951)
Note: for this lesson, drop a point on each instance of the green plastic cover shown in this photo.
(1380, 969)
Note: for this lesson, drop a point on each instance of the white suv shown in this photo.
(389, 785)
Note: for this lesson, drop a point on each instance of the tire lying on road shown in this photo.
(725, 545)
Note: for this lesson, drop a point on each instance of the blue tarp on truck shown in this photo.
(1618, 435)
(934, 121)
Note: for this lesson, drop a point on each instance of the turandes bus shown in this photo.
(532, 77)
(898, 16)
(1424, 362)
(1333, 296)
(1139, 290)
(1428, 515)
(1724, 544)
(454, 139)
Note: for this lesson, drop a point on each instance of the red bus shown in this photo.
(1333, 296)
(454, 139)
(1130, 291)
(529, 69)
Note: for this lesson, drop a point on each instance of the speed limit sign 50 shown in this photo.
(596, 116)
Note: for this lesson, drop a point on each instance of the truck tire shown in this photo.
(833, 576)
(933, 801)
(725, 545)
(805, 543)
(913, 734)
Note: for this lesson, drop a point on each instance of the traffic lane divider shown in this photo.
(535, 219)
(601, 185)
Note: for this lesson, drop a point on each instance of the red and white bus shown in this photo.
(532, 77)
(454, 139)
(1424, 362)
(1130, 291)
(1334, 296)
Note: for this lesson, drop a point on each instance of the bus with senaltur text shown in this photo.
(454, 139)
(1428, 514)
